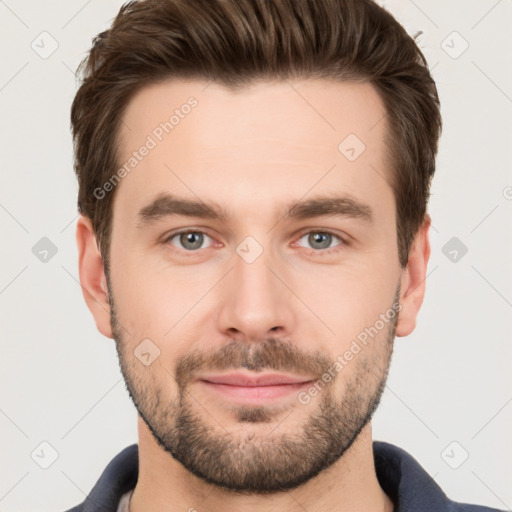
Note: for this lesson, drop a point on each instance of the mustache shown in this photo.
(271, 354)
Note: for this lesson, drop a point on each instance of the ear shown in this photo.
(413, 280)
(92, 275)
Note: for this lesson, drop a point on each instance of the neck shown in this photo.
(350, 484)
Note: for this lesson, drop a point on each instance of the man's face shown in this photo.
(257, 291)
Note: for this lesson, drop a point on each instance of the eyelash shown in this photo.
(321, 252)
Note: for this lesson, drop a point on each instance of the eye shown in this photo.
(188, 240)
(321, 241)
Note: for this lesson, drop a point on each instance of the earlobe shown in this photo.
(413, 280)
(92, 275)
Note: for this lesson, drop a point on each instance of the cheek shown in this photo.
(156, 301)
(353, 295)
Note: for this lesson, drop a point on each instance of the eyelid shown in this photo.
(168, 236)
(342, 236)
(322, 252)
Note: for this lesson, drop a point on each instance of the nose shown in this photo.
(255, 301)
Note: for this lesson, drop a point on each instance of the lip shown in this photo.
(245, 380)
(248, 389)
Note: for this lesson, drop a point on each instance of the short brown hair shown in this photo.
(236, 42)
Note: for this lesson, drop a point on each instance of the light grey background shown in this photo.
(450, 380)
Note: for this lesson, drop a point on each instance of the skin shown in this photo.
(253, 152)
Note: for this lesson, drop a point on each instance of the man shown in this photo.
(254, 177)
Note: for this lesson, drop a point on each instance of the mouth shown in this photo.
(252, 389)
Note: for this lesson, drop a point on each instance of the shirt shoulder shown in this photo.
(410, 487)
(119, 477)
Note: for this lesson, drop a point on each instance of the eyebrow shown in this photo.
(166, 204)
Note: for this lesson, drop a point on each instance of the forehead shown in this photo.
(281, 138)
(313, 111)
